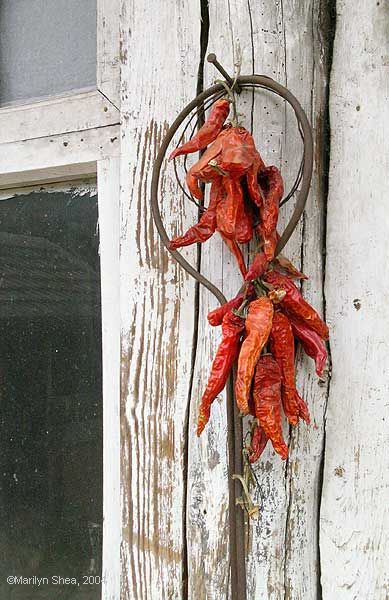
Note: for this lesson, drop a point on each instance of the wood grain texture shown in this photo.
(354, 524)
(64, 114)
(281, 40)
(160, 56)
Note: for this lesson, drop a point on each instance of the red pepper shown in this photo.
(228, 209)
(202, 169)
(208, 132)
(215, 317)
(311, 342)
(282, 347)
(206, 226)
(254, 191)
(258, 443)
(227, 353)
(267, 399)
(258, 326)
(295, 304)
(244, 229)
(271, 183)
(258, 266)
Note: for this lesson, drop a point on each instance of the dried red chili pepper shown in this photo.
(232, 154)
(311, 342)
(215, 317)
(282, 347)
(228, 209)
(258, 443)
(202, 169)
(295, 303)
(208, 132)
(303, 409)
(271, 183)
(227, 352)
(267, 399)
(258, 266)
(254, 191)
(258, 326)
(206, 226)
(244, 229)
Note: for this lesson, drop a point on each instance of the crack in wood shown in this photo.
(204, 35)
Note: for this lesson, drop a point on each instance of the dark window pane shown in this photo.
(50, 395)
(46, 47)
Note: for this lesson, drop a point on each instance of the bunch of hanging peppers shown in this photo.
(260, 325)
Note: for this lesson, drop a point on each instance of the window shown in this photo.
(51, 478)
(67, 140)
(46, 48)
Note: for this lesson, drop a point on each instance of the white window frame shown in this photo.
(68, 138)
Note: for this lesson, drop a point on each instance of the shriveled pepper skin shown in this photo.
(267, 399)
(282, 348)
(229, 208)
(244, 229)
(258, 266)
(258, 443)
(206, 226)
(215, 317)
(270, 181)
(258, 326)
(227, 353)
(311, 342)
(294, 303)
(208, 132)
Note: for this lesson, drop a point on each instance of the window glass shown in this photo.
(46, 47)
(50, 396)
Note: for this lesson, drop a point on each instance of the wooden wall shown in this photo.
(322, 530)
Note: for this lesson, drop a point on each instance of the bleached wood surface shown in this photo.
(354, 528)
(160, 57)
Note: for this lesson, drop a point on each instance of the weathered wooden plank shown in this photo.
(277, 40)
(108, 181)
(354, 516)
(43, 154)
(159, 76)
(64, 114)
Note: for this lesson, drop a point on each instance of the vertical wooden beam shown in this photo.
(283, 40)
(160, 58)
(354, 532)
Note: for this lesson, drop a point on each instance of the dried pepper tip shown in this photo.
(258, 442)
(267, 399)
(226, 354)
(303, 409)
(208, 132)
